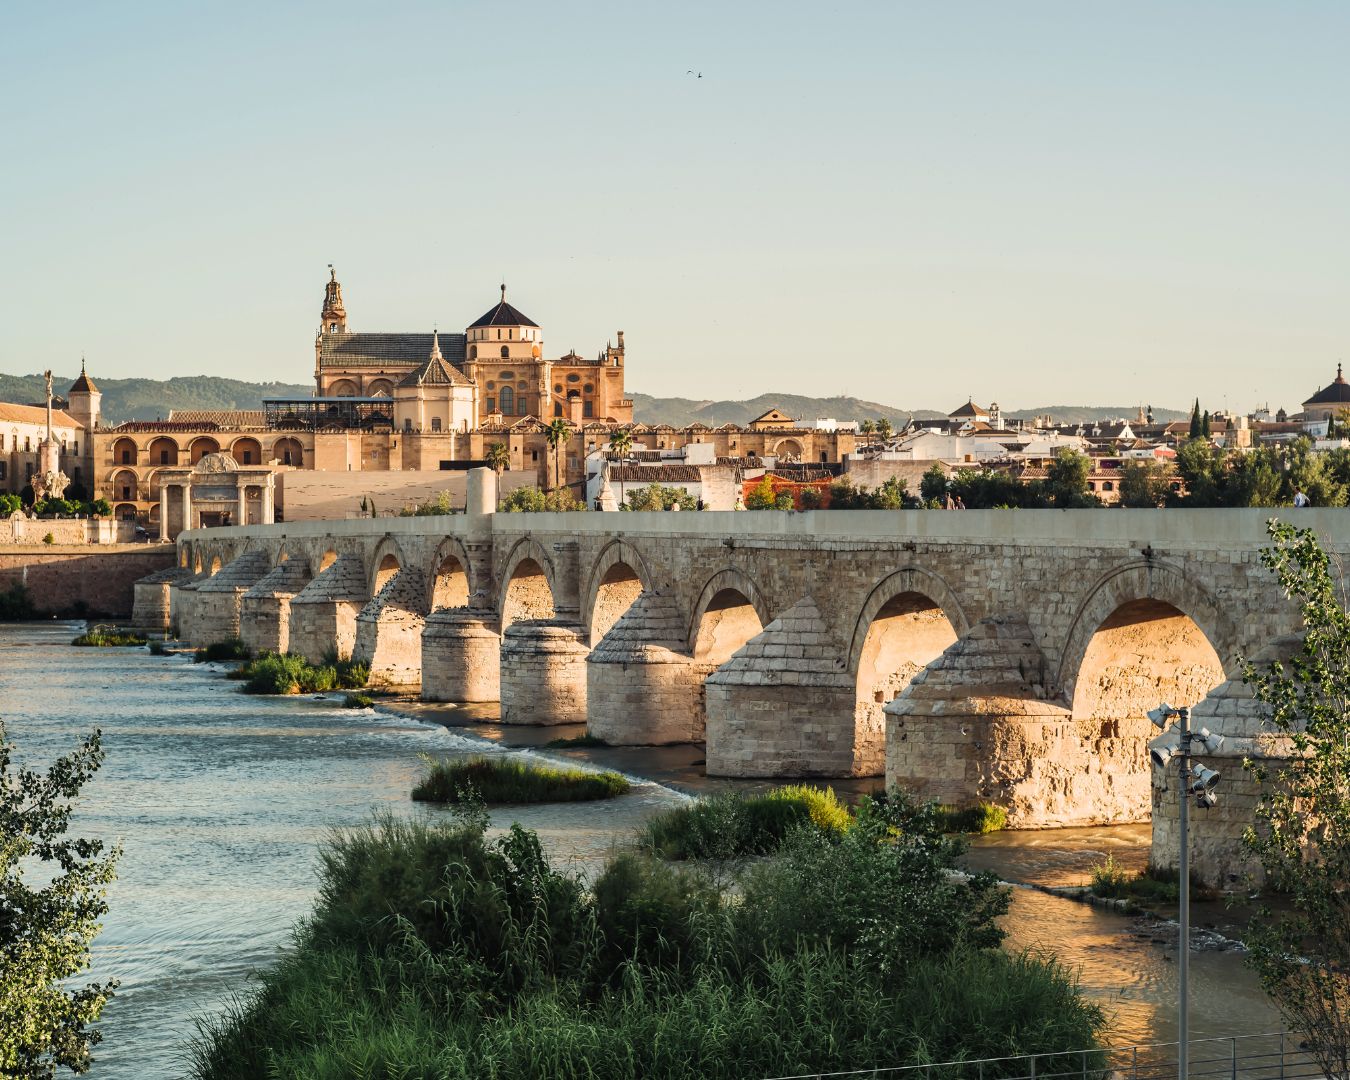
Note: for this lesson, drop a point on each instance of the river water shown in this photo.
(219, 801)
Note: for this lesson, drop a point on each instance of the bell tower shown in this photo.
(334, 314)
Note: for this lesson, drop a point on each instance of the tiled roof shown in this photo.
(83, 384)
(165, 425)
(1334, 392)
(656, 474)
(435, 372)
(367, 350)
(502, 315)
(221, 418)
(31, 414)
(968, 409)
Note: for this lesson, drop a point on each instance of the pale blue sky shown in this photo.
(1028, 202)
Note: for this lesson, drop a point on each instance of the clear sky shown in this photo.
(1028, 202)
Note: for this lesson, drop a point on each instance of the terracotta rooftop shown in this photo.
(656, 474)
(222, 418)
(33, 414)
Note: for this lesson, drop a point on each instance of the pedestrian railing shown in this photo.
(1276, 1056)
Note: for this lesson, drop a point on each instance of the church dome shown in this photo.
(1334, 393)
(502, 315)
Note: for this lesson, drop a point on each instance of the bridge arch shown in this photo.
(324, 557)
(730, 611)
(387, 561)
(1145, 633)
(450, 580)
(526, 589)
(619, 576)
(909, 619)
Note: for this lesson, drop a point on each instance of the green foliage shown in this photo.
(1066, 482)
(1197, 426)
(891, 495)
(1154, 885)
(1265, 476)
(49, 539)
(762, 496)
(498, 457)
(438, 506)
(433, 952)
(287, 673)
(884, 429)
(222, 652)
(106, 637)
(46, 929)
(1144, 484)
(1302, 831)
(980, 818)
(729, 825)
(357, 701)
(586, 739)
(157, 648)
(530, 500)
(61, 507)
(659, 497)
(621, 442)
(510, 780)
(99, 508)
(16, 604)
(9, 504)
(987, 489)
(933, 484)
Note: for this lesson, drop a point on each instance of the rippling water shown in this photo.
(219, 801)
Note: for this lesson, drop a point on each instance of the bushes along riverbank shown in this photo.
(287, 673)
(434, 951)
(507, 780)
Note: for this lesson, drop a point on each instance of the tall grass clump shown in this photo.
(435, 951)
(222, 651)
(105, 638)
(510, 780)
(288, 673)
(979, 818)
(730, 825)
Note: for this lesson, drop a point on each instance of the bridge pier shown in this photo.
(978, 724)
(182, 605)
(323, 613)
(151, 608)
(216, 613)
(461, 656)
(543, 672)
(641, 690)
(783, 705)
(389, 633)
(265, 610)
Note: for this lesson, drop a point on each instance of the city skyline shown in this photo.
(901, 205)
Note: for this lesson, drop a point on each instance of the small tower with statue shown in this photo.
(49, 482)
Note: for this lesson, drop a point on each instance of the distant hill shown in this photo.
(150, 399)
(679, 412)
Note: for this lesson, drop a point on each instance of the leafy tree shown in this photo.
(659, 497)
(45, 930)
(1144, 484)
(986, 489)
(1201, 467)
(9, 504)
(101, 507)
(1331, 427)
(811, 498)
(890, 496)
(531, 500)
(783, 502)
(556, 435)
(1253, 479)
(435, 507)
(933, 484)
(1308, 471)
(762, 496)
(884, 429)
(1197, 428)
(1204, 424)
(1302, 834)
(498, 457)
(621, 442)
(1066, 481)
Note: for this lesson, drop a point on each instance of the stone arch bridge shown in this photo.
(1000, 655)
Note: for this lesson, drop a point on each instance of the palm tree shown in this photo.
(556, 434)
(621, 442)
(884, 429)
(866, 428)
(498, 457)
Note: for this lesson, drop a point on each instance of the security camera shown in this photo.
(1203, 779)
(1161, 715)
(1206, 800)
(1164, 748)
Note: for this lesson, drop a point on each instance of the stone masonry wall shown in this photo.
(97, 580)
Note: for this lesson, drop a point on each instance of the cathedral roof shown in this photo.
(1334, 393)
(224, 419)
(34, 414)
(502, 315)
(969, 409)
(376, 350)
(84, 384)
(434, 371)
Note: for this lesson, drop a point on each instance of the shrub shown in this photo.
(357, 701)
(220, 651)
(287, 673)
(1155, 884)
(981, 818)
(9, 504)
(102, 637)
(506, 780)
(532, 500)
(49, 539)
(730, 825)
(576, 740)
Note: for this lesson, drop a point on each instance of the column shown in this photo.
(187, 505)
(241, 516)
(268, 505)
(164, 512)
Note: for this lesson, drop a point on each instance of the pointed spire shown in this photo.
(334, 313)
(503, 292)
(1339, 378)
(436, 344)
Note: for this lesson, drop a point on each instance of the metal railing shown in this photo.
(1275, 1056)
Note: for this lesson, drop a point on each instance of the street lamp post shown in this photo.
(1175, 744)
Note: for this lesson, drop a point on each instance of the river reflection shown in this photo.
(220, 800)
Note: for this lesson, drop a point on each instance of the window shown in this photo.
(407, 424)
(587, 410)
(508, 400)
(126, 457)
(286, 457)
(2, 470)
(27, 444)
(506, 376)
(534, 456)
(574, 378)
(332, 327)
(557, 389)
(473, 352)
(557, 408)
(248, 458)
(435, 423)
(126, 492)
(2, 442)
(1109, 486)
(589, 388)
(492, 404)
(824, 456)
(163, 457)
